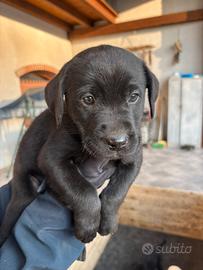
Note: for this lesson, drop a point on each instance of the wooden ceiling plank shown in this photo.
(106, 13)
(84, 8)
(164, 20)
(61, 10)
(109, 7)
(36, 12)
(77, 16)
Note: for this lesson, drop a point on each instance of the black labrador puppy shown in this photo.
(91, 131)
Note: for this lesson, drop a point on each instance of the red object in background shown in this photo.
(35, 76)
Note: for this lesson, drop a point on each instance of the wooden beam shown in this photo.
(103, 9)
(164, 20)
(36, 12)
(107, 5)
(93, 252)
(165, 210)
(61, 10)
(139, 48)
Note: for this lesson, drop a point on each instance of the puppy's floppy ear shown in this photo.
(153, 88)
(54, 93)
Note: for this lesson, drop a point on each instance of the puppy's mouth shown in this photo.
(99, 148)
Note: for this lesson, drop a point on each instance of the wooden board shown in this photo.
(94, 251)
(66, 14)
(165, 210)
(62, 11)
(158, 21)
(105, 11)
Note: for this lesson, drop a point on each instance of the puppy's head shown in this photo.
(104, 89)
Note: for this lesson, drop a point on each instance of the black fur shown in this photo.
(71, 128)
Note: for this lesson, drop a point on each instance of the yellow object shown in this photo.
(163, 142)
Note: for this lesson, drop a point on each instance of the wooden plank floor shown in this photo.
(165, 210)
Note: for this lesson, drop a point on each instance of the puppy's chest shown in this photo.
(95, 170)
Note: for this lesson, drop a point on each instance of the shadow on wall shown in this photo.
(125, 5)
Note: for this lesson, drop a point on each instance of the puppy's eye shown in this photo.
(133, 97)
(88, 100)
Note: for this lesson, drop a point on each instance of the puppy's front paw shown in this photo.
(108, 225)
(87, 223)
(86, 232)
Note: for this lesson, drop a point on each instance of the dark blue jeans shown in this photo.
(42, 238)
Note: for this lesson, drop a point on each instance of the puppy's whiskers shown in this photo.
(89, 148)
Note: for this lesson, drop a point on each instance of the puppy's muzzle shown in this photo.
(117, 142)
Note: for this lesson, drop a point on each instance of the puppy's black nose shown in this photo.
(117, 141)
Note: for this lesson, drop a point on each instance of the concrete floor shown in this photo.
(125, 251)
(172, 168)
